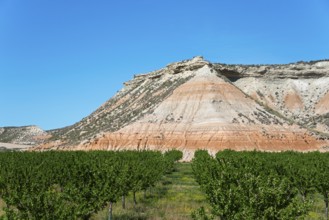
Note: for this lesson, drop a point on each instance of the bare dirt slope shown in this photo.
(194, 104)
(207, 112)
(299, 91)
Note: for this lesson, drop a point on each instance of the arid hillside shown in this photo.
(195, 104)
(299, 91)
(25, 135)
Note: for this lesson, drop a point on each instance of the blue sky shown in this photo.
(60, 60)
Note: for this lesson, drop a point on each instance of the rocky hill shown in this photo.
(299, 91)
(195, 104)
(26, 135)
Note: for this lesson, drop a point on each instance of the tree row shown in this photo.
(75, 185)
(259, 185)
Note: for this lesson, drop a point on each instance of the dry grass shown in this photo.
(2, 205)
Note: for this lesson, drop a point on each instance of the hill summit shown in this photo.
(195, 104)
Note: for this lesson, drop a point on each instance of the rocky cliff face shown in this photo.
(194, 104)
(299, 91)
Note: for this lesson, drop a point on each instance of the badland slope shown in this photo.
(195, 104)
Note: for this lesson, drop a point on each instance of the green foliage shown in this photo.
(73, 185)
(255, 185)
(173, 155)
(200, 214)
(170, 158)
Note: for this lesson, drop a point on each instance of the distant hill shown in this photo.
(25, 135)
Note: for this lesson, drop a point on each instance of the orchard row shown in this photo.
(75, 185)
(257, 185)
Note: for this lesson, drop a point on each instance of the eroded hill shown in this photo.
(195, 104)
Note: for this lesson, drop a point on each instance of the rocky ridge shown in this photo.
(195, 104)
(25, 135)
(305, 70)
(298, 91)
(139, 96)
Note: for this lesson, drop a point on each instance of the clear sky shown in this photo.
(61, 59)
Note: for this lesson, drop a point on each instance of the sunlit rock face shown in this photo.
(299, 91)
(195, 104)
